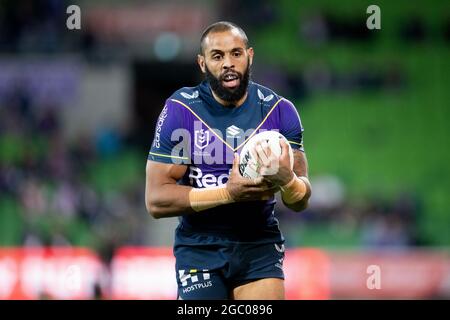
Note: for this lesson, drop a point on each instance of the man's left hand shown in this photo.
(276, 170)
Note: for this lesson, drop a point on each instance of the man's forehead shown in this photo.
(224, 40)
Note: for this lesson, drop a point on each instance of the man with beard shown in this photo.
(228, 244)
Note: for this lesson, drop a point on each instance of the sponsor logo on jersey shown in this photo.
(281, 250)
(263, 98)
(159, 124)
(200, 180)
(233, 132)
(190, 96)
(194, 279)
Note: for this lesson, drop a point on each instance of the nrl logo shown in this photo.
(201, 138)
(190, 96)
(263, 98)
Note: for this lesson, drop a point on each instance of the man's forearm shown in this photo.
(300, 205)
(296, 194)
(169, 200)
(175, 200)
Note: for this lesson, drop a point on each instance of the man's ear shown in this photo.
(201, 62)
(250, 54)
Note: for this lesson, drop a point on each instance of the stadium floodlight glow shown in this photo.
(167, 46)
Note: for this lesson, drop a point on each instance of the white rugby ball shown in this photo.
(246, 158)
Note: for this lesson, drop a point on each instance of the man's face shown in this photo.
(226, 62)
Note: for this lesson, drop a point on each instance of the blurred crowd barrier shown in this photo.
(149, 273)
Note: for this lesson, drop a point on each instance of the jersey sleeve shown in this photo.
(169, 143)
(291, 125)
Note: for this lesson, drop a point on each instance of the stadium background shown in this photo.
(77, 113)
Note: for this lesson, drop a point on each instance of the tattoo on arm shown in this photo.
(300, 169)
(300, 163)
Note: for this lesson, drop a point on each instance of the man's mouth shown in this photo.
(230, 80)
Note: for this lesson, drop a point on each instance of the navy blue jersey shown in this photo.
(195, 130)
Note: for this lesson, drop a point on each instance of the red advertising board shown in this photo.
(143, 273)
(48, 273)
(399, 275)
(149, 273)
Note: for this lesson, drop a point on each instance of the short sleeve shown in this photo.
(169, 142)
(291, 125)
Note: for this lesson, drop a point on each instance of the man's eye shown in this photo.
(216, 57)
(237, 54)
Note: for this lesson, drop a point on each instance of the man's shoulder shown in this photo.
(264, 93)
(271, 99)
(186, 95)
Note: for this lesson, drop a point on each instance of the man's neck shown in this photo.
(228, 103)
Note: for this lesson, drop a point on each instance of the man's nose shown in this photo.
(227, 63)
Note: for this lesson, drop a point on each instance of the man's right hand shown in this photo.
(243, 189)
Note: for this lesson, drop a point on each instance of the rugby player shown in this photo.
(228, 244)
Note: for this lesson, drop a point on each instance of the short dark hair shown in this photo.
(220, 27)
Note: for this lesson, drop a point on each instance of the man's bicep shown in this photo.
(300, 163)
(159, 173)
(163, 196)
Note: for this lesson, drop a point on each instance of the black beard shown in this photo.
(226, 94)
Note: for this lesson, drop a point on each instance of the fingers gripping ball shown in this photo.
(249, 165)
